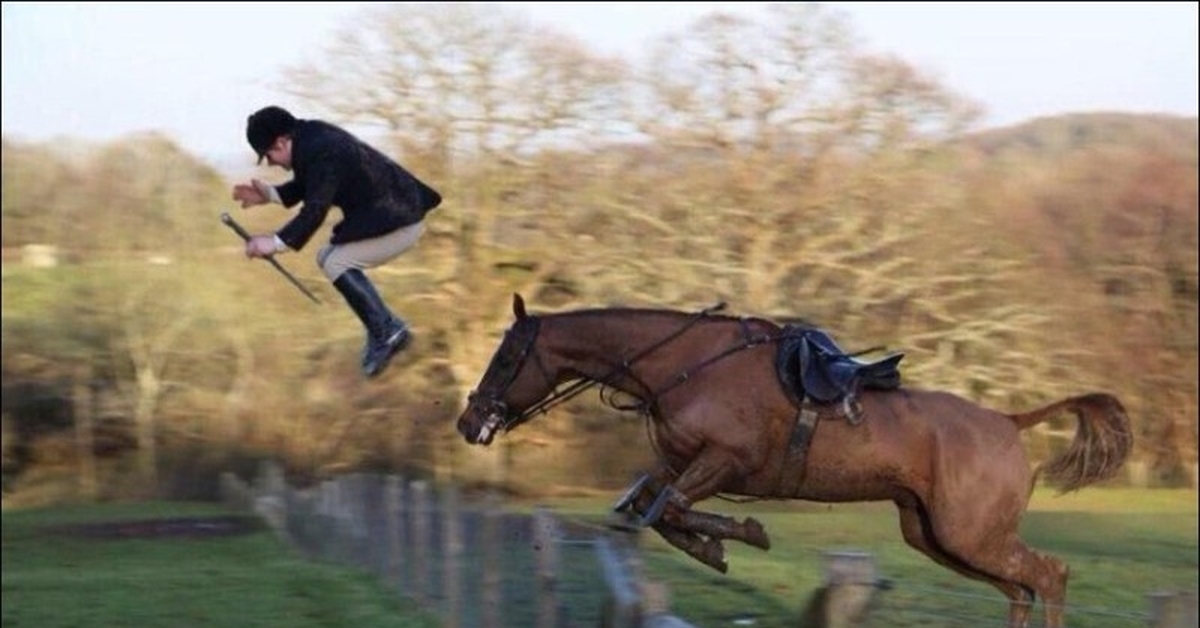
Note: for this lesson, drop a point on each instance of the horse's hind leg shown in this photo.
(989, 546)
(1053, 586)
(1045, 575)
(914, 526)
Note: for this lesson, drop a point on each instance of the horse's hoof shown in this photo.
(713, 555)
(718, 564)
(756, 535)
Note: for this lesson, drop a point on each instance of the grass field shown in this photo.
(1121, 545)
(53, 578)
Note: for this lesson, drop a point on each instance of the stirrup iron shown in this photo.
(655, 512)
(632, 492)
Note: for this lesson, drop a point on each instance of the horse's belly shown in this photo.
(848, 485)
(857, 463)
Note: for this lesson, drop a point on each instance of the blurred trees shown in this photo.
(142, 194)
(773, 165)
(125, 213)
(1108, 214)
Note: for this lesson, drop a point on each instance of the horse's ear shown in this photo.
(518, 306)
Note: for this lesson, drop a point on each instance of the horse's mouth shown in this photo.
(487, 431)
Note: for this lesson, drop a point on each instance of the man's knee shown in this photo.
(330, 264)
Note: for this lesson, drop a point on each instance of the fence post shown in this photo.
(327, 529)
(298, 516)
(393, 498)
(622, 604)
(1170, 609)
(492, 575)
(545, 543)
(452, 548)
(234, 492)
(421, 538)
(851, 580)
(341, 519)
(375, 522)
(83, 397)
(268, 496)
(358, 518)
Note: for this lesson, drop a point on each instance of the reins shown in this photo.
(558, 397)
(686, 375)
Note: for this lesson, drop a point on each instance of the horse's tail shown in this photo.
(1102, 441)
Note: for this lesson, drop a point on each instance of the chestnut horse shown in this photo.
(722, 423)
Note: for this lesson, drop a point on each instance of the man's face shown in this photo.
(280, 153)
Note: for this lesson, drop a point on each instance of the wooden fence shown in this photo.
(474, 564)
(468, 561)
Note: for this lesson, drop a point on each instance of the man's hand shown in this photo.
(253, 193)
(261, 246)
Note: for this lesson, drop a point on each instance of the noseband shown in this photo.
(490, 401)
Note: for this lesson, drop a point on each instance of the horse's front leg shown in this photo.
(655, 498)
(704, 477)
(642, 497)
(749, 530)
(708, 551)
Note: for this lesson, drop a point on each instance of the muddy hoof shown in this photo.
(756, 535)
(713, 555)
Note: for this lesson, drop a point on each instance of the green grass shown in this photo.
(53, 580)
(1121, 545)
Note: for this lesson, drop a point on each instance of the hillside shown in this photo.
(1060, 136)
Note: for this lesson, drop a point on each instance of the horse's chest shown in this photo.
(675, 440)
(683, 438)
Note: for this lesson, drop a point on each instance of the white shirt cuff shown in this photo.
(280, 247)
(268, 191)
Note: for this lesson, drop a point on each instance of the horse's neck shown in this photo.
(649, 345)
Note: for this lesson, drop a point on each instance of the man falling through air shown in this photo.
(383, 208)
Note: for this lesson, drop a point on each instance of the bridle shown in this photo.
(490, 402)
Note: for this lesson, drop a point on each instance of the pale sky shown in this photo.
(194, 71)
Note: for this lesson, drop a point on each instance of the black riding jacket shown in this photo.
(331, 167)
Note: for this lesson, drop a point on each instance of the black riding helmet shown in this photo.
(264, 126)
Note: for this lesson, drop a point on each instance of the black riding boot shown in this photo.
(386, 334)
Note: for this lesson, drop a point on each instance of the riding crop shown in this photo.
(228, 220)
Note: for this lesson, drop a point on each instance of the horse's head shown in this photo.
(514, 381)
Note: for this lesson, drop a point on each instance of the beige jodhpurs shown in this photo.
(335, 259)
